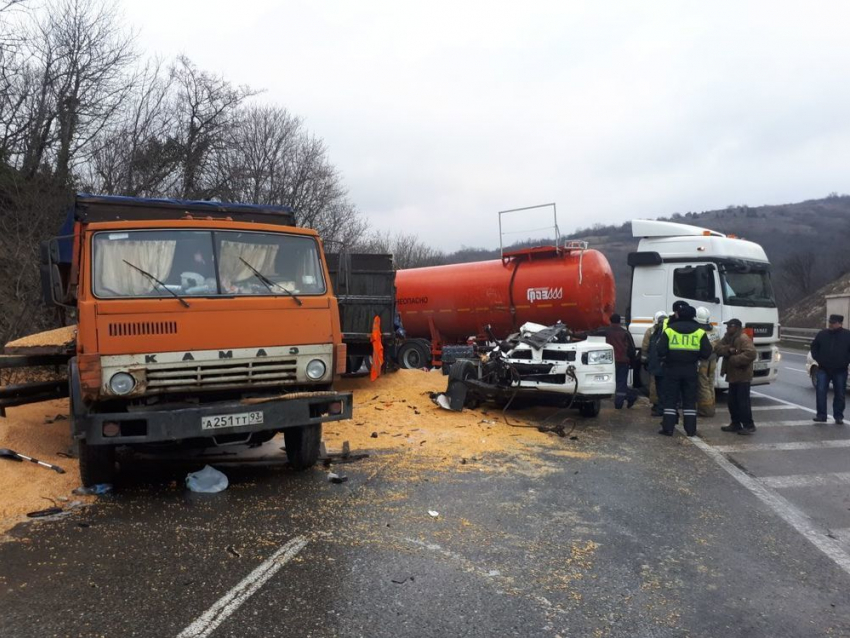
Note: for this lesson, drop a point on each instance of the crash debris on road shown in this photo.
(28, 487)
(395, 414)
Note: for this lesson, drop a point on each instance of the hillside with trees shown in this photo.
(81, 109)
(806, 243)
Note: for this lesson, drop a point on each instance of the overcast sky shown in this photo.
(440, 114)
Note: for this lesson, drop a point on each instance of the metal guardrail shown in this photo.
(798, 335)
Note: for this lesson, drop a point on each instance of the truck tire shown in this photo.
(413, 355)
(303, 445)
(461, 370)
(813, 375)
(590, 409)
(353, 363)
(97, 464)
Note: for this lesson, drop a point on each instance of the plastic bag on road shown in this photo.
(208, 481)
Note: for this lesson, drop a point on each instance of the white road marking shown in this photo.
(842, 534)
(782, 447)
(793, 354)
(795, 369)
(784, 509)
(247, 587)
(757, 408)
(796, 405)
(785, 424)
(805, 480)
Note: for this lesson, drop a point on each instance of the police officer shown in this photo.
(707, 367)
(674, 316)
(680, 347)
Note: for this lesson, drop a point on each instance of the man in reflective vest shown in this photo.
(678, 305)
(681, 347)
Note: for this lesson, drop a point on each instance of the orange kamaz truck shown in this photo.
(196, 323)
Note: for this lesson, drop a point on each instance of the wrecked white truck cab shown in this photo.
(537, 361)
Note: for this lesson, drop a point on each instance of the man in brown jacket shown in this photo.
(624, 353)
(738, 354)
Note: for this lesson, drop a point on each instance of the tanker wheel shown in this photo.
(590, 409)
(413, 355)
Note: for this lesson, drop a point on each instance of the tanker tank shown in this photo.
(542, 285)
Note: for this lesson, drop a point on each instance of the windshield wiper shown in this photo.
(741, 301)
(268, 283)
(157, 281)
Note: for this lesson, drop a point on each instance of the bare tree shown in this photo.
(271, 159)
(76, 77)
(139, 155)
(799, 272)
(407, 250)
(207, 108)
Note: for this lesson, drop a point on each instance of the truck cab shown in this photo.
(729, 276)
(197, 322)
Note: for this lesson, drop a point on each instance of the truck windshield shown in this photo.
(205, 263)
(747, 286)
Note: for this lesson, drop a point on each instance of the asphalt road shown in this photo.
(618, 532)
(793, 383)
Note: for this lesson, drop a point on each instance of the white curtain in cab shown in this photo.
(233, 269)
(113, 277)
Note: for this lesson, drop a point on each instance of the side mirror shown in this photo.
(57, 290)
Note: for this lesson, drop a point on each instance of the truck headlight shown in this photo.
(597, 357)
(122, 383)
(316, 369)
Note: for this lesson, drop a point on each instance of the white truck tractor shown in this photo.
(727, 275)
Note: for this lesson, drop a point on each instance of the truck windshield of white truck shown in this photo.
(747, 285)
(203, 263)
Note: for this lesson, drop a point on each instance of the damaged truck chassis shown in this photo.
(538, 360)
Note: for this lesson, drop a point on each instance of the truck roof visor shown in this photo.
(106, 208)
(645, 258)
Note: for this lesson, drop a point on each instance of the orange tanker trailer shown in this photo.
(445, 305)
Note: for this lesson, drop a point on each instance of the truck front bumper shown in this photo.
(152, 426)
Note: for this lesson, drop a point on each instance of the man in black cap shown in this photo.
(681, 346)
(831, 351)
(674, 316)
(624, 354)
(738, 354)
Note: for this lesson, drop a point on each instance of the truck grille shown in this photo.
(220, 374)
(761, 329)
(140, 328)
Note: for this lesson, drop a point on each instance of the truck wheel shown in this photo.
(97, 464)
(302, 445)
(462, 370)
(590, 409)
(813, 375)
(353, 364)
(413, 355)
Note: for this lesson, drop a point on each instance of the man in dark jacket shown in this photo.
(831, 351)
(680, 347)
(738, 354)
(624, 354)
(649, 355)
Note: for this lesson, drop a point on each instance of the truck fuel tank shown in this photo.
(540, 285)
